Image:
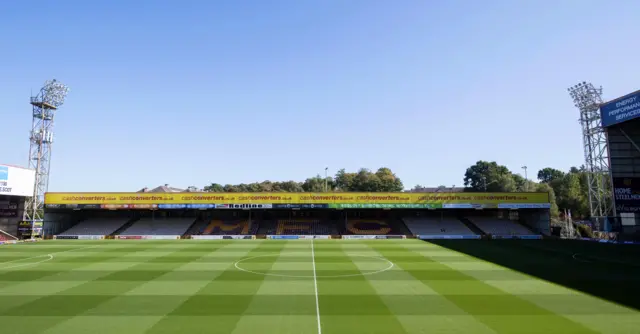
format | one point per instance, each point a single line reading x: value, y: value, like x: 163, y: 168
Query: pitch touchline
x: 315, y: 286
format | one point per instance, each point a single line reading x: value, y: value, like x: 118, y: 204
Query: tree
x: 544, y: 187
x: 489, y: 176
x: 214, y: 188
x: 317, y: 184
x: 567, y: 191
x: 570, y: 193
x: 388, y: 180
x: 229, y: 188
x: 547, y: 175
x: 364, y: 180
x: 288, y: 186
x: 344, y: 181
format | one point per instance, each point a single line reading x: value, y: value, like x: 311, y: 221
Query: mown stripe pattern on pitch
x: 193, y: 286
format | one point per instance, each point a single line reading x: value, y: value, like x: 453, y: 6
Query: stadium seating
x: 267, y: 227
x: 374, y: 227
x: 5, y: 237
x: 197, y: 227
x: 497, y: 226
x: 96, y: 226
x: 164, y: 226
x: 229, y: 227
x: 436, y: 225
x: 304, y: 227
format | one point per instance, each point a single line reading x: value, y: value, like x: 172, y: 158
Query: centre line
x: 315, y: 286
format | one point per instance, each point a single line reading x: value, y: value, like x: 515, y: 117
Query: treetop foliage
x: 568, y: 190
x: 383, y: 180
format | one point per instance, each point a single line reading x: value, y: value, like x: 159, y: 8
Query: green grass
x: 191, y: 286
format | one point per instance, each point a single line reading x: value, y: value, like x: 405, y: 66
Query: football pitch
x: 298, y: 286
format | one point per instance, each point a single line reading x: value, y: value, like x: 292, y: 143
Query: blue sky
x: 193, y: 92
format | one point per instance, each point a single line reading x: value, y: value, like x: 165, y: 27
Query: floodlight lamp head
x: 54, y: 92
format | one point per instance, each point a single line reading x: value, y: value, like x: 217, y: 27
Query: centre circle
x: 388, y: 266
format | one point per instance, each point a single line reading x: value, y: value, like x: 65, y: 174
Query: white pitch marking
x: 50, y: 257
x: 578, y: 258
x: 391, y: 265
x: 315, y: 286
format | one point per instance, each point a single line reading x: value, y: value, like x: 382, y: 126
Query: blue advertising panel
x: 525, y: 206
x: 621, y: 109
x: 626, y: 192
x: 172, y: 206
x: 300, y: 206
x: 201, y: 206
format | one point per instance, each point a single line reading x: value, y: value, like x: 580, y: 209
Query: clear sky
x: 193, y: 92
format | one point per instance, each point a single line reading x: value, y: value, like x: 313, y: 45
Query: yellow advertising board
x: 295, y: 198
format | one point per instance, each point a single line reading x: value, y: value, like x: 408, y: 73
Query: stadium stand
x: 164, y: 226
x: 267, y: 227
x: 197, y: 227
x: 229, y: 227
x: 4, y: 236
x: 497, y: 226
x: 440, y: 225
x: 305, y: 227
x: 375, y: 227
x: 96, y: 226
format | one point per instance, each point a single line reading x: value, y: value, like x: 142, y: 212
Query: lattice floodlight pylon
x: 44, y: 106
x: 588, y: 99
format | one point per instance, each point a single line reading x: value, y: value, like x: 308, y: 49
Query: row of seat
x: 96, y: 226
x: 442, y: 225
x: 233, y: 227
x: 167, y: 226
x: 499, y: 226
x: 6, y: 237
x: 305, y: 226
x: 437, y: 226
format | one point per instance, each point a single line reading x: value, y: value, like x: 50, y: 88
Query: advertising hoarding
x: 16, y: 181
x: 322, y: 200
x: 621, y: 109
x: 626, y: 192
x: 9, y: 208
x: 91, y: 237
x: 206, y: 237
x: 30, y: 229
x: 358, y: 237
x: 442, y: 236
x: 238, y: 237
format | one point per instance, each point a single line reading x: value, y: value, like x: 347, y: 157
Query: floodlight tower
x: 588, y: 99
x: 44, y: 105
